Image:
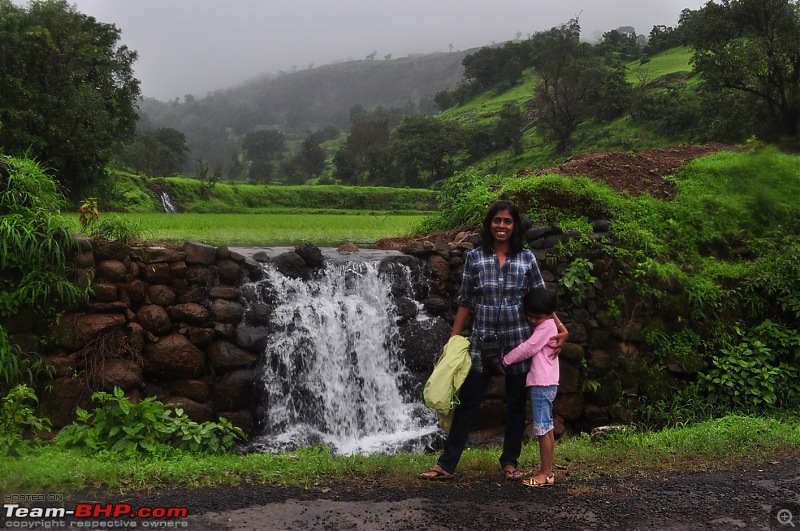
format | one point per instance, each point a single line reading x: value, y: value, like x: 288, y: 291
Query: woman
x: 496, y: 277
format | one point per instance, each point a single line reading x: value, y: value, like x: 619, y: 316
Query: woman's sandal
x: 436, y: 473
x: 512, y: 473
x: 532, y: 482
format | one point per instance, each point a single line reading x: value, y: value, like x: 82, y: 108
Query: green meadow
x: 280, y: 228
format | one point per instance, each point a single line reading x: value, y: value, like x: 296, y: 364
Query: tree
x: 508, y: 129
x: 311, y: 157
x: 262, y: 148
x: 157, y: 153
x: 622, y: 42
x: 567, y: 71
x: 424, y: 147
x: 68, y: 91
x: 364, y: 157
x: 494, y: 67
x: 751, y: 46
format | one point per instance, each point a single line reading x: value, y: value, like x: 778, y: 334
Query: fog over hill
x: 202, y: 46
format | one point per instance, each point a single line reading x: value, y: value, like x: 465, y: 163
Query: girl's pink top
x: 540, y: 347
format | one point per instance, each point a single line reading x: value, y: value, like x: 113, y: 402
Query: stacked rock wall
x: 160, y: 322
x: 175, y: 325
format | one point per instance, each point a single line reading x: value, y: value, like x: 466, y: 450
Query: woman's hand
x: 561, y: 337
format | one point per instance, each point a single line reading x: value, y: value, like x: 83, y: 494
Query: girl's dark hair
x: 517, y: 235
x: 540, y: 301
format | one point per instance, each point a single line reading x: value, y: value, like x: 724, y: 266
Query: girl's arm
x: 542, y: 335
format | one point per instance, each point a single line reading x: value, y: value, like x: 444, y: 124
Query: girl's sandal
x: 533, y: 482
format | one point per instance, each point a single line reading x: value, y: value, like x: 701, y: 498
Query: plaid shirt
x: 495, y: 296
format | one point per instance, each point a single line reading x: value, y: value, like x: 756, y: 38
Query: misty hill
x: 305, y: 100
x: 326, y: 91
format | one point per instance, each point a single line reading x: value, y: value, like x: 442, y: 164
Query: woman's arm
x: 460, y: 321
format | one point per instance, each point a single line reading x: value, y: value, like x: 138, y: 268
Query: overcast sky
x: 198, y: 46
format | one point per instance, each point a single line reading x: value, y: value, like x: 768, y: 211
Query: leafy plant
x: 208, y: 181
x: 17, y: 415
x: 577, y: 279
x: 749, y: 375
x: 149, y: 427
x: 113, y: 228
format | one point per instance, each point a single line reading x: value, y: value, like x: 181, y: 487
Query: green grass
x: 667, y: 62
x: 720, y: 443
x: 280, y: 228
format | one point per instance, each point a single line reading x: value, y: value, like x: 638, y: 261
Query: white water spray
x: 332, y: 371
x: 166, y: 202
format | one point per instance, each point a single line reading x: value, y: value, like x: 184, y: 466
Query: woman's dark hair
x: 517, y: 235
x: 540, y: 301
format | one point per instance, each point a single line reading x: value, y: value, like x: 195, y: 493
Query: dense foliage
x: 145, y: 427
x: 35, y: 242
x: 68, y: 91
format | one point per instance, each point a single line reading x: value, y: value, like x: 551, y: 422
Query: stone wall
x: 174, y: 324
x: 160, y: 322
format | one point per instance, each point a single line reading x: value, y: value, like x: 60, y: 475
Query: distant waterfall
x: 166, y: 202
x: 331, y: 368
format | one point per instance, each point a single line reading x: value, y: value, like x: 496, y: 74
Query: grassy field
x: 713, y: 444
x: 273, y: 229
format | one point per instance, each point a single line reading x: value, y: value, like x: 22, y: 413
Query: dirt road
x: 752, y: 497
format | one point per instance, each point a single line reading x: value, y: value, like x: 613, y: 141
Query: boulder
x: 190, y: 312
x: 311, y: 255
x: 225, y: 311
x: 236, y: 390
x: 125, y: 374
x: 74, y: 330
x: 224, y: 355
x: 154, y: 318
x: 172, y: 357
x: 199, y: 253
x: 290, y: 264
x: 161, y: 295
x: 111, y: 270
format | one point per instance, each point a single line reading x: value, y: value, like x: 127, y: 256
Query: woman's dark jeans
x: 471, y: 394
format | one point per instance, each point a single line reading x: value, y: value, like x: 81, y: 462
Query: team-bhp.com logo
x: 93, y: 515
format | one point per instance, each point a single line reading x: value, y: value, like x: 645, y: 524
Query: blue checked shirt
x: 495, y: 296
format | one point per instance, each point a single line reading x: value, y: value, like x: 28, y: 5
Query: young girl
x: 542, y: 379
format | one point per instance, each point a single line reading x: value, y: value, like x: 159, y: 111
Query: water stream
x: 331, y: 371
x: 167, y: 203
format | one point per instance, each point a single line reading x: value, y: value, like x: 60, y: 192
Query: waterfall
x: 331, y: 371
x: 166, y: 202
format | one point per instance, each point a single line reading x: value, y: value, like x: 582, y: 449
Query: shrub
x: 17, y: 415
x: 759, y: 371
x: 146, y: 427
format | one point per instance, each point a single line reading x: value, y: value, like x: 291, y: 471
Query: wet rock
x: 224, y: 355
x: 174, y: 356
x: 190, y: 312
x: 292, y: 265
x: 199, y: 253
x: 311, y: 255
x: 154, y: 318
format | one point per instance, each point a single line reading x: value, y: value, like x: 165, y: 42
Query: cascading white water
x: 166, y: 202
x: 331, y: 369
